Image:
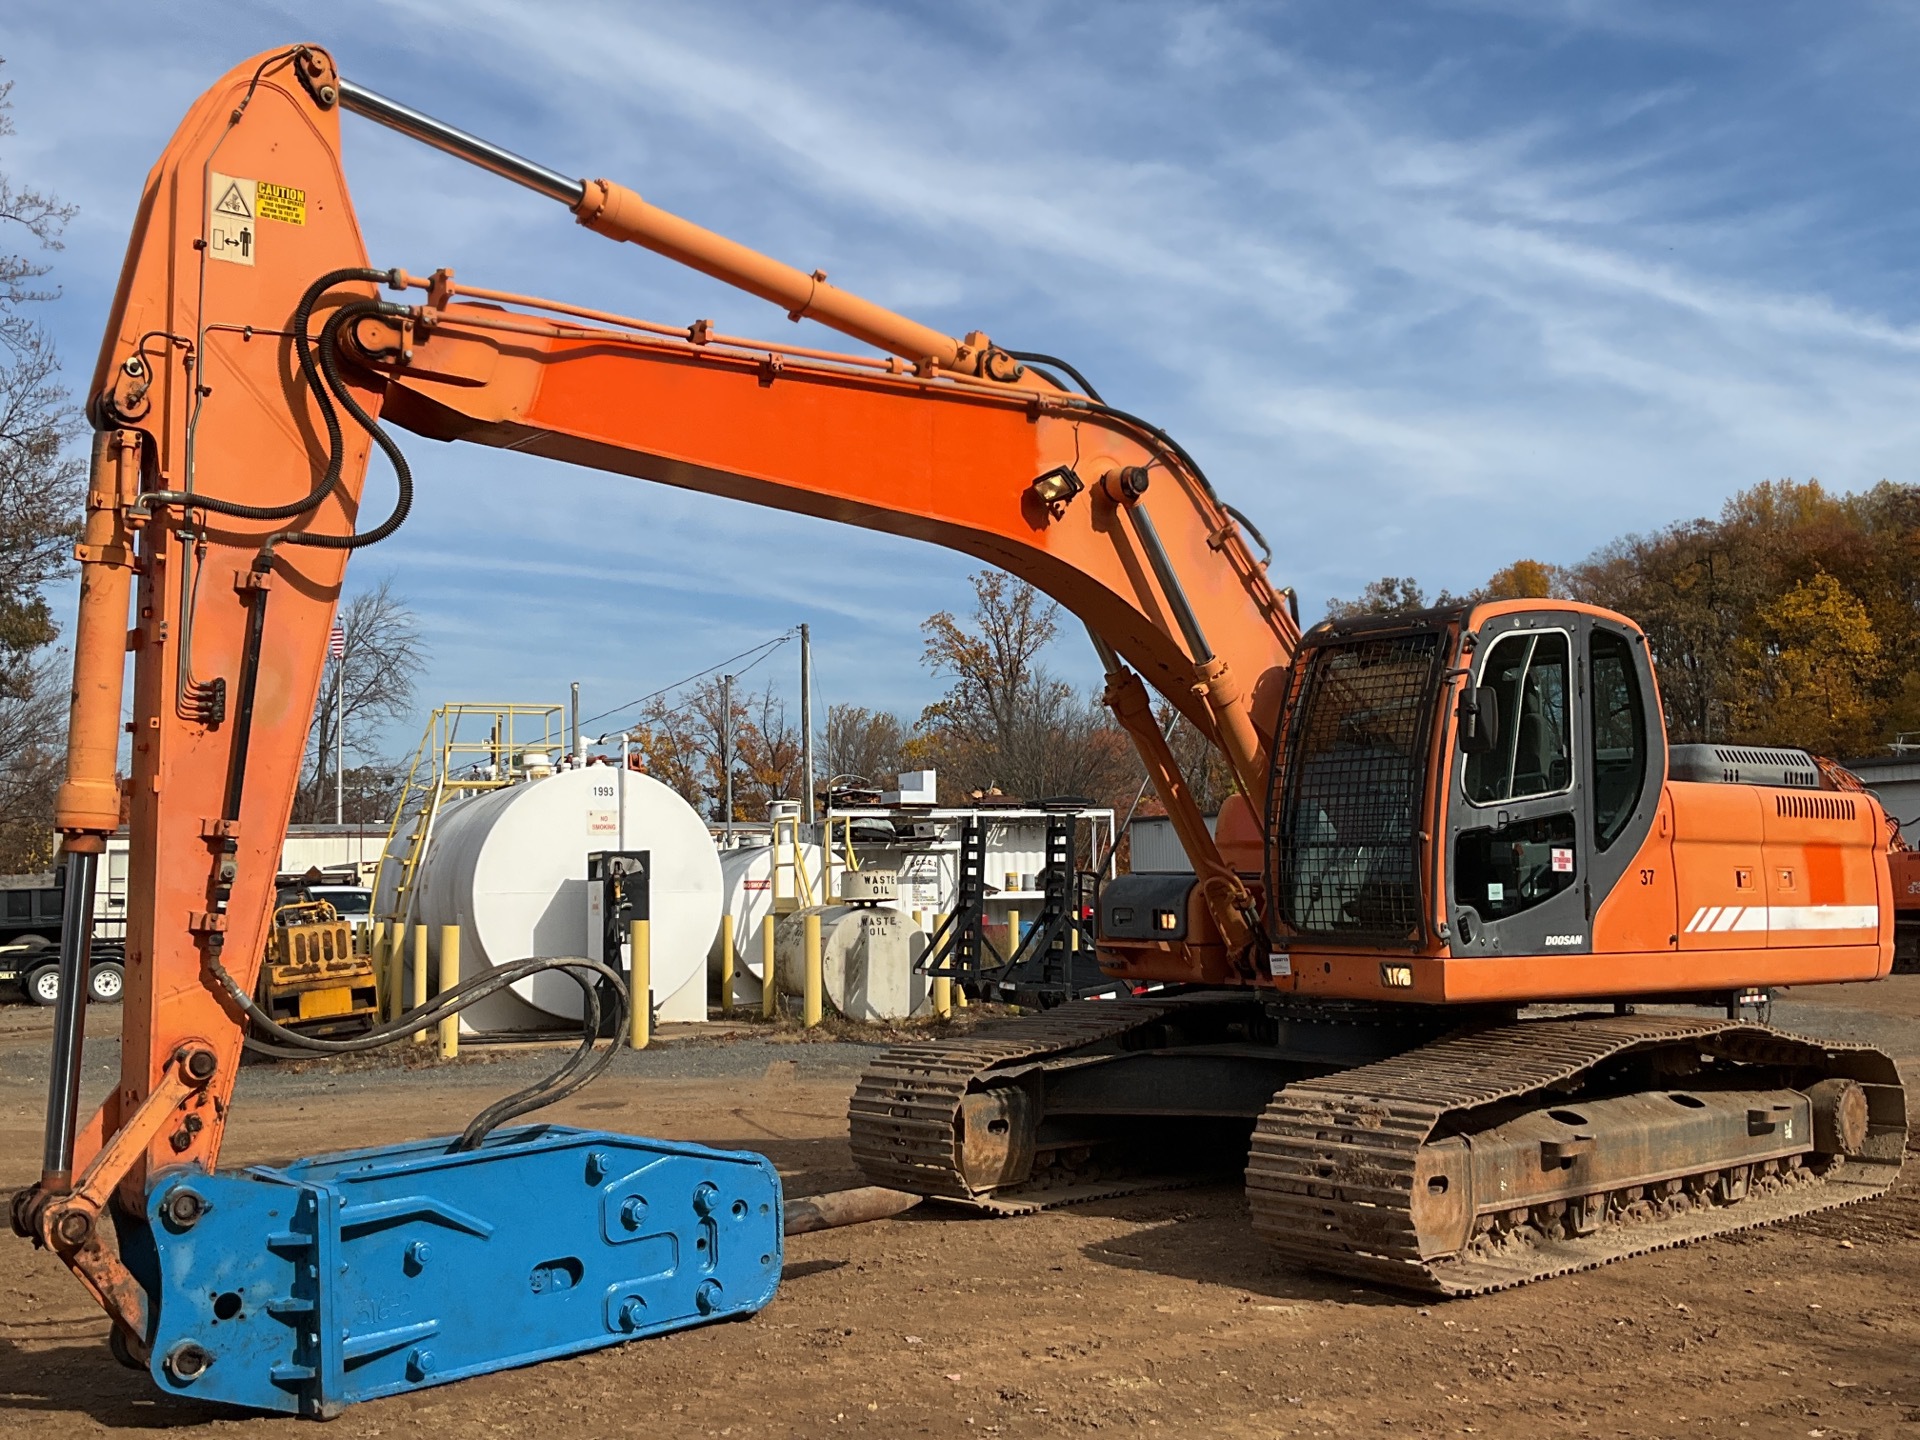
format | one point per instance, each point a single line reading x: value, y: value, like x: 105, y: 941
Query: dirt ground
x: 1152, y: 1314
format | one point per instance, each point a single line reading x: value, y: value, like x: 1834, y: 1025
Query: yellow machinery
x: 315, y: 980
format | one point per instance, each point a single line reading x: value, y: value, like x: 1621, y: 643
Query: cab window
x: 1503, y: 872
x: 1531, y: 755
x: 1619, y: 735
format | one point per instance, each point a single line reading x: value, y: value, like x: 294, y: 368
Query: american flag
x: 337, y: 643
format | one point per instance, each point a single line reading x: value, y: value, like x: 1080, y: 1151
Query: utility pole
x: 806, y: 723
x: 578, y: 759
x: 726, y: 752
x: 337, y: 652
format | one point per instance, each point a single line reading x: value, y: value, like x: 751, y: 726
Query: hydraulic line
x: 402, y: 472
x: 336, y: 441
x: 1035, y: 357
x: 566, y: 1080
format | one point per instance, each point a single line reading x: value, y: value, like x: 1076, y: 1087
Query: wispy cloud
x: 1426, y: 287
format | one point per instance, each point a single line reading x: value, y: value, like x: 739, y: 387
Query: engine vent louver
x: 1778, y: 767
x: 1814, y: 807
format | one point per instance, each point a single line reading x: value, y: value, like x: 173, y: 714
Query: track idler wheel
x: 997, y: 1132
x: 1839, y: 1117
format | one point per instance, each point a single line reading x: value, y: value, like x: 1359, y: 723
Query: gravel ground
x: 1152, y: 1314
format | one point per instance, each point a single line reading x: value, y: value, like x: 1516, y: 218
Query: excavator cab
x: 1479, y: 805
x: 1525, y: 737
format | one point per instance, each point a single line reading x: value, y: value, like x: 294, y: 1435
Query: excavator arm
x: 253, y: 363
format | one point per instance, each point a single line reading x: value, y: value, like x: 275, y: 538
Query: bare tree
x: 372, y: 684
x: 32, y: 721
x: 1005, y: 720
x: 682, y: 739
x: 767, y: 748
x: 862, y: 743
x: 40, y: 483
x: 1209, y: 777
x: 40, y: 490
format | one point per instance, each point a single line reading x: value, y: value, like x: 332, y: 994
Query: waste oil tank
x: 867, y: 951
x: 509, y: 867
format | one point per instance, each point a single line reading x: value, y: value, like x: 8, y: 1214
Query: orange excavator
x: 1444, y: 820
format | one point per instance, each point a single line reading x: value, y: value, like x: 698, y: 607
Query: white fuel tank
x: 748, y: 887
x: 509, y: 867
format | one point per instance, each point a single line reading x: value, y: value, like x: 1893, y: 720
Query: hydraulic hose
x: 335, y: 382
x: 573, y: 1074
x: 1035, y: 357
x: 336, y: 442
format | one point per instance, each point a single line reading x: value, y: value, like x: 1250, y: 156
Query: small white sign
x: 1563, y: 860
x: 232, y: 218
x: 1281, y: 965
x: 603, y: 822
x: 1496, y: 892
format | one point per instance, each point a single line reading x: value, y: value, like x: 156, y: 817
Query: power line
x: 768, y: 646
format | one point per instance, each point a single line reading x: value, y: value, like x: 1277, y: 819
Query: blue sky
x: 1426, y: 288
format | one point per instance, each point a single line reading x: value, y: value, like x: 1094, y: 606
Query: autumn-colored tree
x: 1808, y: 671
x: 689, y: 740
x: 1522, y: 580
x: 1719, y: 600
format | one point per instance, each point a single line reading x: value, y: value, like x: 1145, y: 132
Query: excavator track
x: 907, y: 1120
x: 1338, y: 1163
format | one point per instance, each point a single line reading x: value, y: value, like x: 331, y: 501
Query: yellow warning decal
x: 282, y: 202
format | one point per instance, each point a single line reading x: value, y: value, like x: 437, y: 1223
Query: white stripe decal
x: 1749, y: 919
x: 1824, y: 917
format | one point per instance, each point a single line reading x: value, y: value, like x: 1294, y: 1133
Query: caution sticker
x: 281, y: 202
x: 233, y: 208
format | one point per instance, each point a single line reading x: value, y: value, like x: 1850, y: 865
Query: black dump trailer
x: 30, y: 912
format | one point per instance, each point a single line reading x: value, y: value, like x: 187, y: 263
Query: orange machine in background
x: 1444, y: 818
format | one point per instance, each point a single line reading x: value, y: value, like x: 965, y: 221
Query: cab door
x: 1561, y: 815
x: 1516, y: 850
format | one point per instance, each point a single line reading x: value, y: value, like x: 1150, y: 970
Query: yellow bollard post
x: 942, y: 984
x: 810, y: 1000
x: 419, y: 976
x: 769, y: 986
x: 377, y: 957
x: 449, y: 977
x: 958, y: 992
x: 641, y: 982
x: 1013, y: 932
x: 396, y: 969
x: 726, y: 963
